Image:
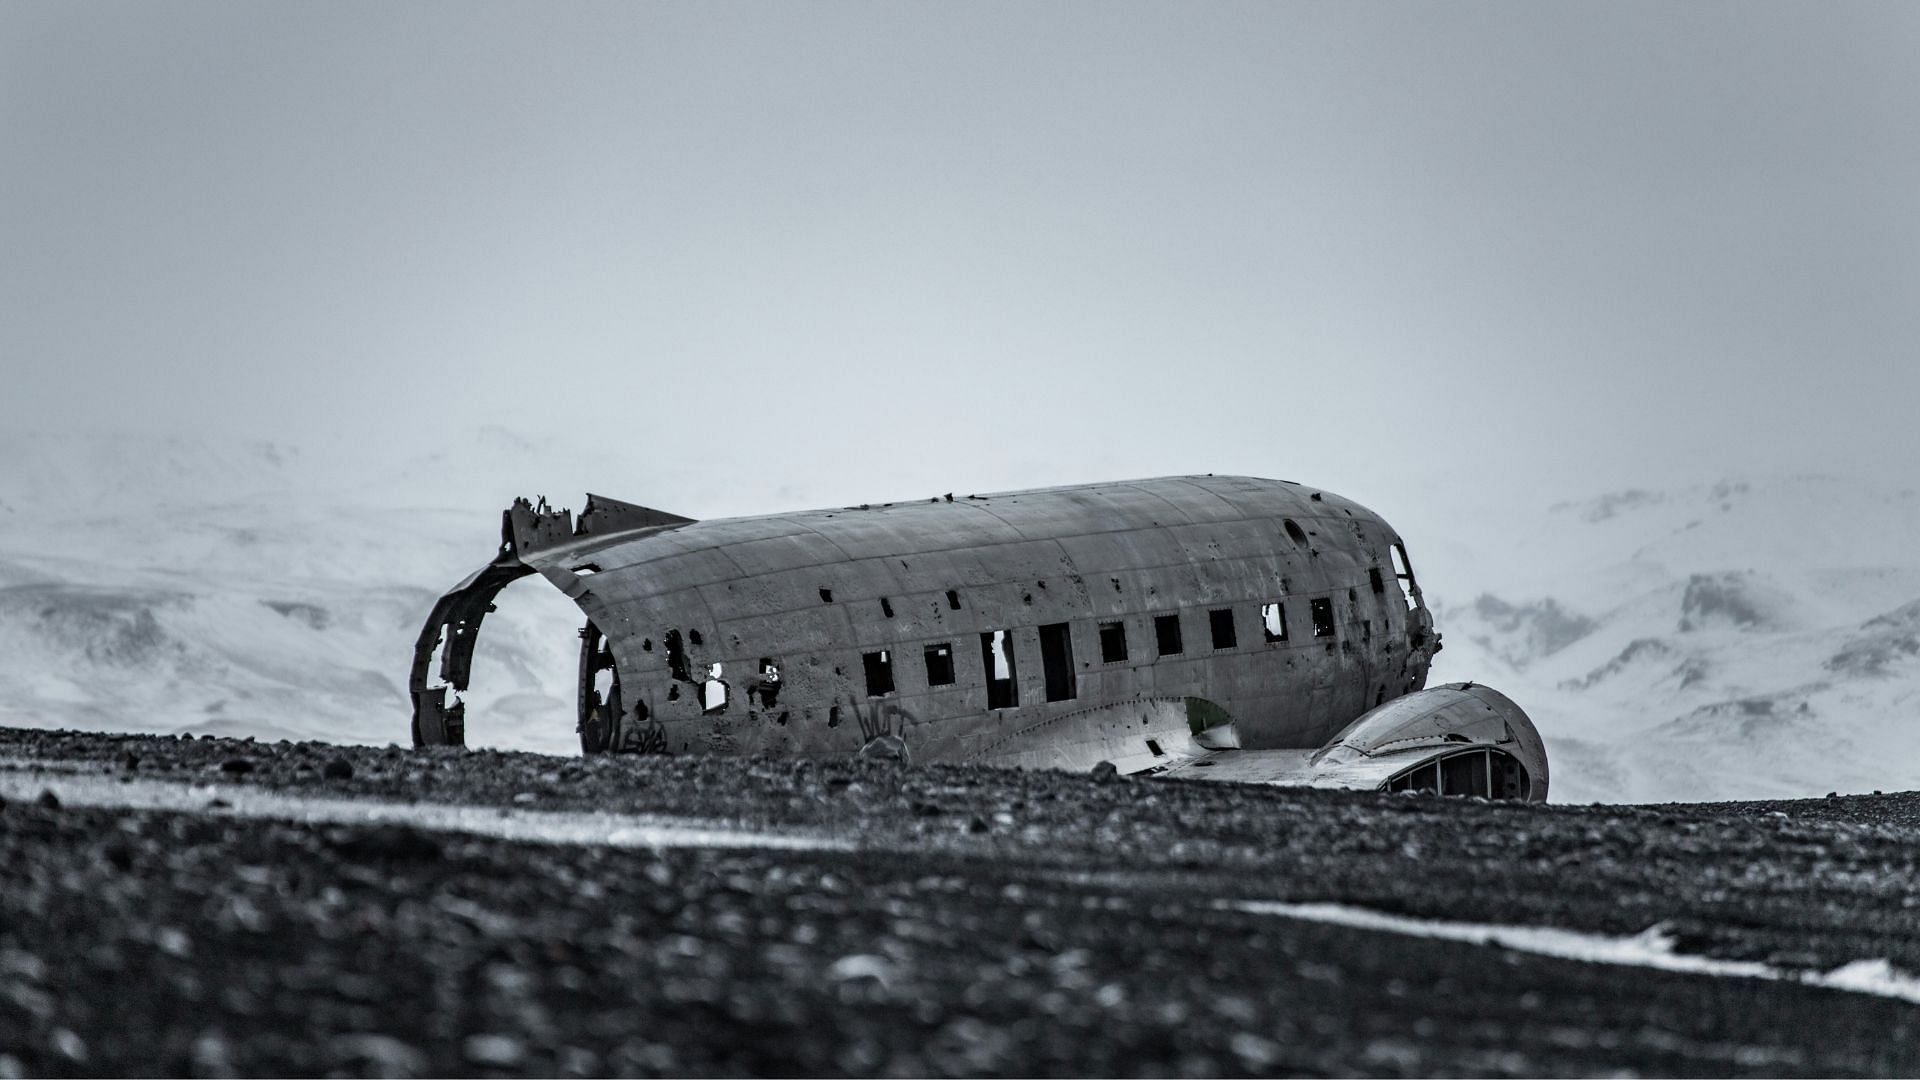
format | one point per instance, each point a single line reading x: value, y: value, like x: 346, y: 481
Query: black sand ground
x: 988, y: 922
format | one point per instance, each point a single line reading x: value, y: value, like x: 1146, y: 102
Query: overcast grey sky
x: 851, y: 251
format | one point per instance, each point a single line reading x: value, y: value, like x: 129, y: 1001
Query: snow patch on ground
x: 528, y: 826
x: 1651, y: 948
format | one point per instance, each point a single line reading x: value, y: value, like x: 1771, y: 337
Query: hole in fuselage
x: 523, y: 692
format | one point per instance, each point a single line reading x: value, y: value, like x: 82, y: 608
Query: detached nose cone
x: 1456, y: 739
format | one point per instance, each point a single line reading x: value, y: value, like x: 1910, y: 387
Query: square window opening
x: 996, y: 653
x: 1056, y: 659
x: 1166, y: 634
x: 939, y: 664
x: 1220, y: 621
x: 1273, y: 622
x: 1113, y: 643
x: 879, y: 667
x: 1322, y: 611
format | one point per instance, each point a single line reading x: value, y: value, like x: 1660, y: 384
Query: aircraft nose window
x: 1403, y: 571
x: 1490, y: 774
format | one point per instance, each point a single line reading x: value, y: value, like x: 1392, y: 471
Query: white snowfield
x: 173, y: 585
x: 1753, y: 639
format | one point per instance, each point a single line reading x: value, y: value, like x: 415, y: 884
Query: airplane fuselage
x: 967, y: 627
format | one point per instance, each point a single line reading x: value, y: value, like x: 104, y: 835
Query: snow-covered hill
x: 175, y: 585
x: 1748, y: 639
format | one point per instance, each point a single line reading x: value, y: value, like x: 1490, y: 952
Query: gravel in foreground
x: 987, y: 922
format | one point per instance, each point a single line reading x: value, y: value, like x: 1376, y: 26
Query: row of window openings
x: 1056, y: 645
x: 1056, y: 651
x: 1402, y: 574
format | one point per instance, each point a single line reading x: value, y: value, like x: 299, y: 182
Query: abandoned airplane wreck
x: 1217, y: 627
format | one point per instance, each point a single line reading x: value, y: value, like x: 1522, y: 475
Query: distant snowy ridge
x: 1752, y: 638
x: 171, y: 585
x: 1748, y: 639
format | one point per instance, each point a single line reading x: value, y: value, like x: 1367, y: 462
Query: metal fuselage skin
x: 816, y: 633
